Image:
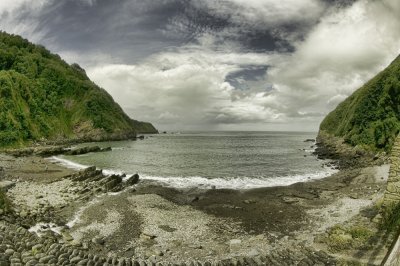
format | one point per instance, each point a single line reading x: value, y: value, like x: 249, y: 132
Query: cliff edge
x: 369, y: 118
x: 42, y: 98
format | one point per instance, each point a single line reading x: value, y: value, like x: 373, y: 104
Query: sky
x: 218, y: 64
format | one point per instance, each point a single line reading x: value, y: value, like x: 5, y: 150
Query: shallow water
x: 237, y: 160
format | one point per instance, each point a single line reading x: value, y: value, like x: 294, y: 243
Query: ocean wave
x: 77, y: 166
x: 236, y: 182
x: 208, y: 183
x: 67, y: 163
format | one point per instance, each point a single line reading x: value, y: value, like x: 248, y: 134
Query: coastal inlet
x: 232, y: 160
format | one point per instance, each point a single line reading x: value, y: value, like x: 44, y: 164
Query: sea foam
x: 67, y: 163
x: 238, y: 183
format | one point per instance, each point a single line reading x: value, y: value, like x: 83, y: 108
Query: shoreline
x: 254, y: 224
x: 328, y: 168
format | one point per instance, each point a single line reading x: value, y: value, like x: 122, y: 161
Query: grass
x: 370, y: 117
x: 44, y: 98
x: 391, y: 218
x: 342, y: 238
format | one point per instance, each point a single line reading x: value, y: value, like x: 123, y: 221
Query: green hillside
x: 370, y: 116
x: 43, y: 98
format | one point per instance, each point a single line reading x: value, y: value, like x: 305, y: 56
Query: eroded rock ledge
x: 344, y: 155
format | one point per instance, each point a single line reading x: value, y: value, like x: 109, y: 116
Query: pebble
x: 75, y: 259
x: 253, y: 253
x: 46, y: 259
x: 21, y: 247
x: 83, y: 262
x: 9, y: 252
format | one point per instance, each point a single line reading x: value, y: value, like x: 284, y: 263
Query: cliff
x: 369, y: 118
x: 42, y: 98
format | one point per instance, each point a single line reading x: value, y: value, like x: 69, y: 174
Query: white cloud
x: 20, y: 17
x: 346, y: 49
x: 12, y: 5
x: 266, y: 12
x: 187, y: 85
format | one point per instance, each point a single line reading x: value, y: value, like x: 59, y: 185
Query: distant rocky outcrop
x: 47, y: 151
x: 45, y: 100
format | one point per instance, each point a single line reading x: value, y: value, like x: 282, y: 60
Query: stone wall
x: 392, y: 193
x: 392, y: 197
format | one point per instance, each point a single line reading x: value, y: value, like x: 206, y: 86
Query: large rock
x: 134, y: 179
x: 112, y: 182
x: 86, y: 174
x: 83, y: 150
x: 50, y: 151
x: 6, y: 185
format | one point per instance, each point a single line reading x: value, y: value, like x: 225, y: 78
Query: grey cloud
x: 220, y: 64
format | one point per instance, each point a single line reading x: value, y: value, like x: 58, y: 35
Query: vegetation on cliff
x: 144, y: 127
x: 370, y: 117
x: 44, y: 98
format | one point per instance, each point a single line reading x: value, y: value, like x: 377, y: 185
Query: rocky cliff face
x: 370, y: 118
x: 42, y: 98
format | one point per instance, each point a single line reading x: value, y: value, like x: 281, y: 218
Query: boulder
x: 86, y: 174
x: 112, y: 181
x: 134, y: 179
x: 6, y: 185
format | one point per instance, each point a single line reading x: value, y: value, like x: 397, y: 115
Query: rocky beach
x: 63, y: 216
x: 241, y: 177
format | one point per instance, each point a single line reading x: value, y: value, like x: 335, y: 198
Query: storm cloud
x: 218, y: 64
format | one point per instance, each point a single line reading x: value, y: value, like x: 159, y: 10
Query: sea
x: 204, y: 160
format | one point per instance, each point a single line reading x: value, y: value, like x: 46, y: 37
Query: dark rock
x: 134, y: 179
x: 98, y: 240
x: 84, y: 150
x: 112, y: 182
x: 51, y: 151
x: 195, y: 199
x: 21, y: 152
x: 86, y: 174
